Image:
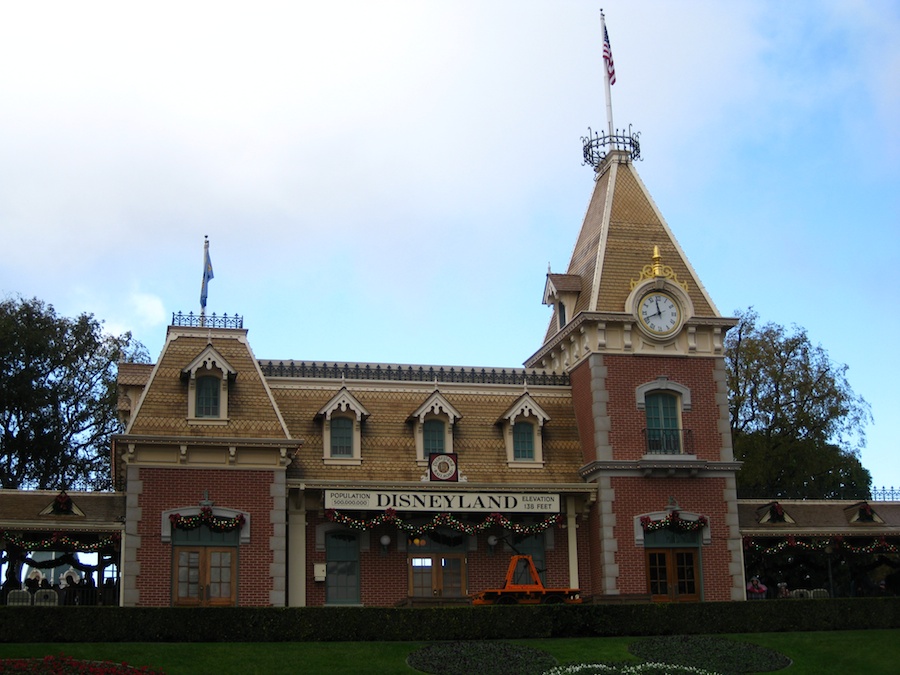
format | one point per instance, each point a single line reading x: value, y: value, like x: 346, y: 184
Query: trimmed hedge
x: 324, y: 624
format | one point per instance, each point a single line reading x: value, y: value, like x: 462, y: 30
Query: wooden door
x: 205, y: 576
x: 672, y: 575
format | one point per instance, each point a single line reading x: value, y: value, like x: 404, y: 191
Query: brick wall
x: 583, y: 401
x: 165, y: 489
x: 703, y: 495
x: 626, y: 373
x: 384, y: 577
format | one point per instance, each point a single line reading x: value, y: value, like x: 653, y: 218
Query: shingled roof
x: 620, y: 229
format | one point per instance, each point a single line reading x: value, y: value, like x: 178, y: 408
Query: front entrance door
x: 437, y: 576
x: 205, y: 576
x: 672, y: 575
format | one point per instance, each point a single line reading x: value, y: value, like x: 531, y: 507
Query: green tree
x: 796, y: 423
x: 57, y: 397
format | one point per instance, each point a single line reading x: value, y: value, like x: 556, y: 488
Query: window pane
x: 433, y: 436
x: 523, y: 440
x: 341, y: 437
x: 663, y: 434
x: 656, y: 563
x: 685, y: 569
x: 189, y: 574
x: 207, y: 396
x: 342, y: 568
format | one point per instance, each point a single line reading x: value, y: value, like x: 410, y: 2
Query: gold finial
x: 657, y: 263
x: 657, y: 270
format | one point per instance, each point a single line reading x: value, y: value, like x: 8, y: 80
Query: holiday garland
x: 673, y: 522
x: 442, y: 520
x: 879, y: 545
x: 59, y: 541
x: 206, y: 517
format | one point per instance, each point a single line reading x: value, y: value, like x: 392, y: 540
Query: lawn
x: 875, y: 651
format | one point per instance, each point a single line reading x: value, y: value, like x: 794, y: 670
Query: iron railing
x: 596, y: 146
x: 401, y: 373
x: 885, y: 494
x: 668, y: 441
x: 191, y: 320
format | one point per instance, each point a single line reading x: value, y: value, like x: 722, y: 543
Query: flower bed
x: 66, y: 665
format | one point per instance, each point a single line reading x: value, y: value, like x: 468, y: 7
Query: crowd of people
x: 72, y: 589
x: 757, y: 590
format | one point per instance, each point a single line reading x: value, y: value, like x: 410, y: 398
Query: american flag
x: 607, y: 56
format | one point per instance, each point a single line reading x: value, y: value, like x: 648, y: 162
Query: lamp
x: 492, y: 540
x: 385, y: 542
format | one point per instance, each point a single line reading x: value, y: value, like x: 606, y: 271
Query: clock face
x: 659, y: 313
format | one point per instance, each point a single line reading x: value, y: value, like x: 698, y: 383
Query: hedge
x: 270, y: 624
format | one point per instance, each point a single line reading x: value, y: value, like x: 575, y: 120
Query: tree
x: 796, y: 423
x: 57, y: 397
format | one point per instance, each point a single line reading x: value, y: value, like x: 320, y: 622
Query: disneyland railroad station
x: 607, y: 459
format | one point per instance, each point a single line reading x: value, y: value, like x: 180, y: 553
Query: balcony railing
x: 669, y: 441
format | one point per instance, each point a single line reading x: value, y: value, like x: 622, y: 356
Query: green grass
x: 875, y: 651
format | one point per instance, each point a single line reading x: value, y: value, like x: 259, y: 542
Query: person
x: 756, y: 590
x: 783, y: 591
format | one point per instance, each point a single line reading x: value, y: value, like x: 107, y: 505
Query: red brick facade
x: 165, y: 489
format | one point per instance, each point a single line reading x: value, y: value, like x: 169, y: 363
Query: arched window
x: 523, y: 441
x: 663, y: 432
x: 208, y: 396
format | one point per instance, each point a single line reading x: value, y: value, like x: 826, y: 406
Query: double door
x: 673, y: 575
x: 204, y: 576
x: 439, y: 575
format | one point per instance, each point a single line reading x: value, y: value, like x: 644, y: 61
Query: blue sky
x: 388, y: 182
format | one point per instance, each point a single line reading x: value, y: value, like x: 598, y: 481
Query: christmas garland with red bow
x: 673, y: 522
x: 206, y: 517
x: 60, y: 541
x: 878, y: 545
x: 442, y: 520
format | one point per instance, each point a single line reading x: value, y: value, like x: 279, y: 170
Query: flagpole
x: 207, y: 275
x: 607, y: 60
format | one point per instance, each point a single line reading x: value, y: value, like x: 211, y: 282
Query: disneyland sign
x: 470, y: 502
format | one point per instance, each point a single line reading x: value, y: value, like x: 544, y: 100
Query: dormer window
x: 342, y: 418
x: 523, y: 441
x: 341, y: 437
x: 209, y: 376
x: 208, y: 396
x: 433, y: 435
x: 561, y: 292
x: 522, y: 425
x: 433, y: 422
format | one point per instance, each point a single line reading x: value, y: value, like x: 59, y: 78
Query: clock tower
x: 642, y: 342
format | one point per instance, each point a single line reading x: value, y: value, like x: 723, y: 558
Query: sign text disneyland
x: 473, y: 502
